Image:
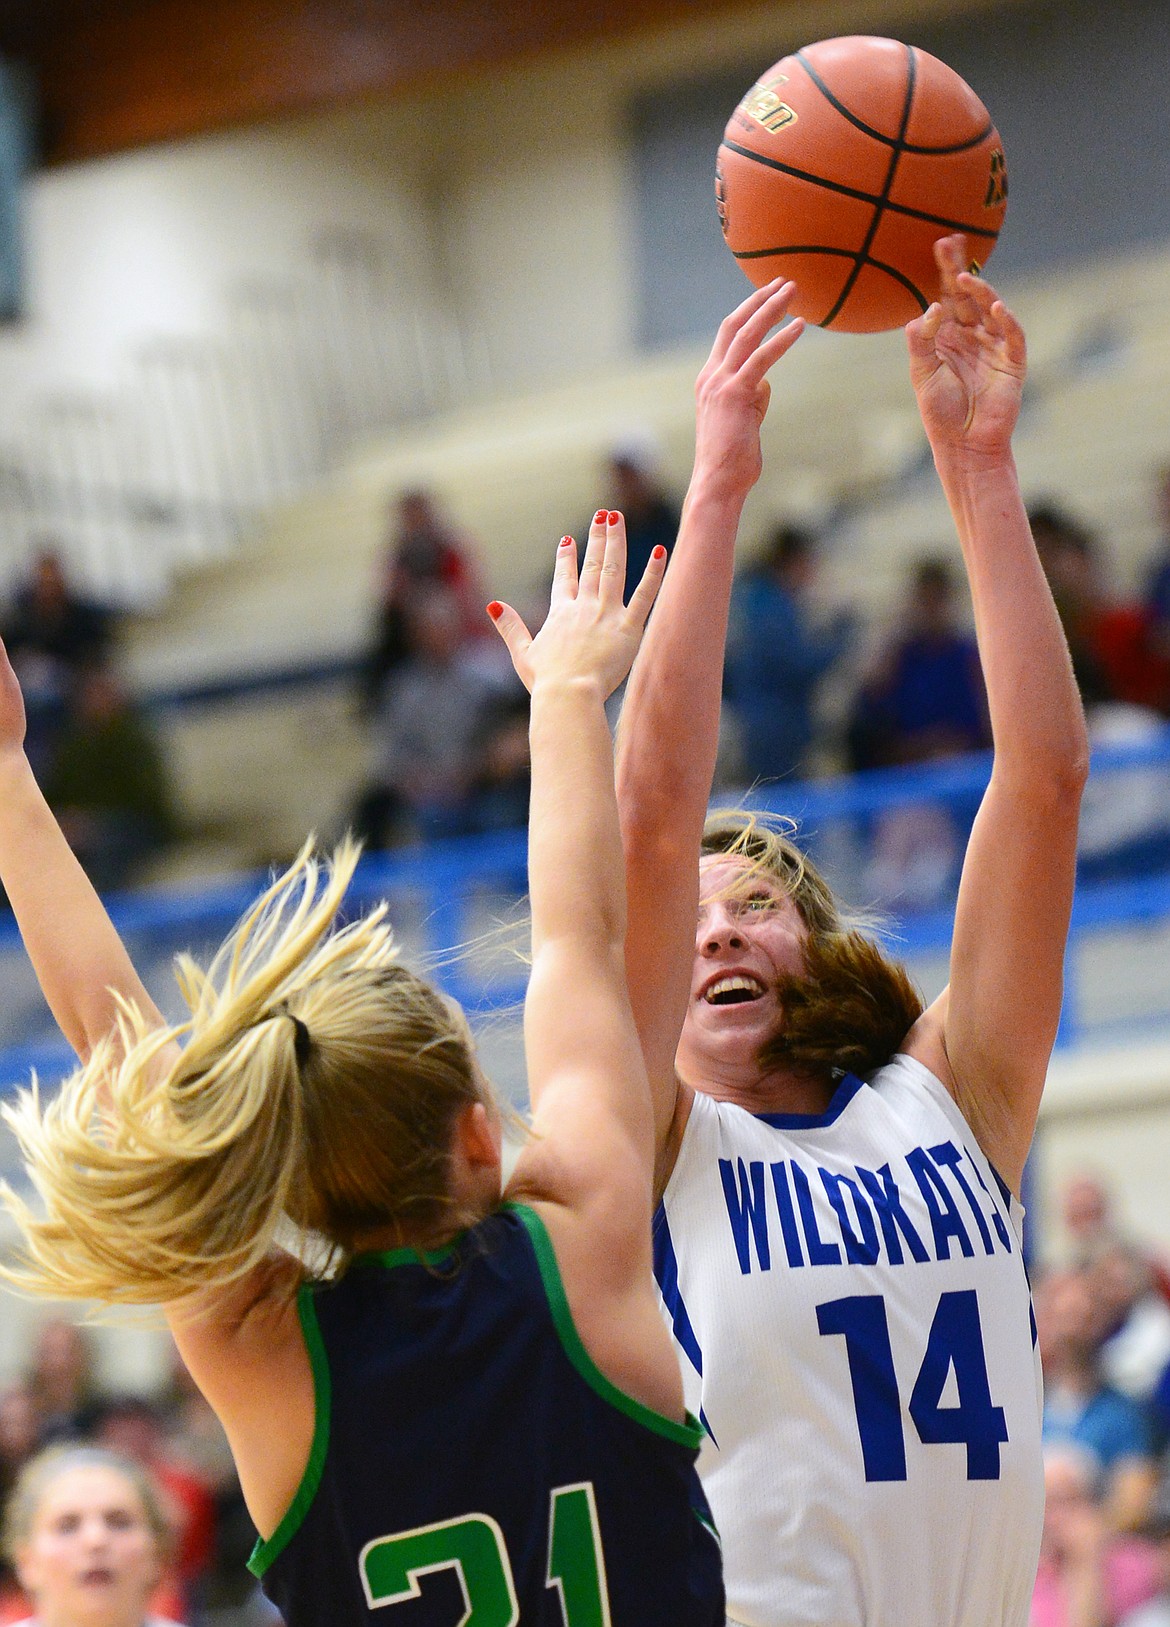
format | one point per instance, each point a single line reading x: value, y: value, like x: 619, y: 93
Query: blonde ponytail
x: 318, y: 1084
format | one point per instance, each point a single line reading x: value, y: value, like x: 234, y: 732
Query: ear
x: 477, y: 1138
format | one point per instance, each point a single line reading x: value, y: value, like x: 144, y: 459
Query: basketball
x: 841, y: 167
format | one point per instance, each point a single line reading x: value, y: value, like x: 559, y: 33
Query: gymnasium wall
x: 507, y: 195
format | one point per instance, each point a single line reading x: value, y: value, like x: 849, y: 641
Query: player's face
x: 749, y: 934
x: 91, y: 1554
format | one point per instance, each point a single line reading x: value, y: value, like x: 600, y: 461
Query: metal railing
x: 459, y: 905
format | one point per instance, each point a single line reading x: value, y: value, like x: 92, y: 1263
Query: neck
x: 424, y: 1238
x: 98, y: 1616
x: 780, y: 1090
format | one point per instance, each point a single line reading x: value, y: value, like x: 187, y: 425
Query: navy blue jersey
x: 471, y: 1466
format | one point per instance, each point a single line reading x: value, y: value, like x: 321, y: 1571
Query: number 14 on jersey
x: 955, y: 1340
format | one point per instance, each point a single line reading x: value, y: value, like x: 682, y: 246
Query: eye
x: 119, y: 1519
x: 758, y: 902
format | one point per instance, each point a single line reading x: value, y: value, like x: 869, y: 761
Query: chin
x: 721, y: 1048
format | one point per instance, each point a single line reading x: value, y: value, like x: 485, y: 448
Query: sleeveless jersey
x: 855, y: 1323
x: 471, y: 1464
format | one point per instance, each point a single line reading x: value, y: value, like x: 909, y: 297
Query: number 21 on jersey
x: 955, y: 1340
x: 473, y: 1547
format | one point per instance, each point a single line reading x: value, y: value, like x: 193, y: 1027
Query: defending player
x: 839, y: 1240
x: 480, y: 1415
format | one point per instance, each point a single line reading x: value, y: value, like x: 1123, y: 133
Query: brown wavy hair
x: 853, y: 1006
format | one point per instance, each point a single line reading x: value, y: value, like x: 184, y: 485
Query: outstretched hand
x: 732, y: 391
x: 12, y: 719
x: 967, y: 360
x: 588, y: 632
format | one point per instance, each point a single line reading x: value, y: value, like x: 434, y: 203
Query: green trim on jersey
x: 265, y: 1552
x: 688, y: 1434
x: 409, y: 1256
x: 709, y: 1527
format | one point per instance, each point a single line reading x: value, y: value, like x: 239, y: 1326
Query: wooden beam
x: 121, y: 76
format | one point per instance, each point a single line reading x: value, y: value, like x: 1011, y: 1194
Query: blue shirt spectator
x: 777, y: 657
x: 1106, y: 1423
x: 925, y: 698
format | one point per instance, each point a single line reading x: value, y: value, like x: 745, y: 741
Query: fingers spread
x: 760, y: 322
x: 510, y: 626
x: 644, y: 595
x: 612, y: 582
x: 770, y: 352
x: 564, y: 582
x: 731, y: 325
x: 595, y: 550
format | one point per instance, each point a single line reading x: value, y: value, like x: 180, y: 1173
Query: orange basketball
x: 840, y: 168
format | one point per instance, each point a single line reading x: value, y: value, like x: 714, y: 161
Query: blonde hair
x: 40, y: 1472
x: 852, y: 1006
x: 319, y: 1084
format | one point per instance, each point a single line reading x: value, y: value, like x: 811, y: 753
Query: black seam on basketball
x: 895, y: 154
x: 844, y: 254
x: 862, y: 197
x: 792, y: 248
x: 945, y: 152
x: 878, y: 135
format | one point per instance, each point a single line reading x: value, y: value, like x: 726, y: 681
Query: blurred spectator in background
x: 1093, y: 1233
x: 176, y: 1443
x: 502, y: 781
x: 1155, y: 1612
x: 19, y: 1431
x: 1157, y: 597
x: 1088, y: 1576
x: 423, y: 553
x: 88, y: 1536
x: 51, y: 632
x: 777, y: 656
x: 1113, y: 643
x: 134, y: 1427
x: 1081, y: 1407
x: 1135, y: 1351
x: 428, y: 738
x: 1088, y: 1218
x: 108, y: 784
x: 229, y: 1595
x: 20, y: 1434
x: 60, y: 1381
x: 924, y: 697
x: 636, y: 490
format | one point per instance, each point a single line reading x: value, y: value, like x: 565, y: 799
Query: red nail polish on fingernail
x: 658, y: 551
x: 614, y: 516
x: 495, y: 610
x: 599, y: 517
x: 566, y: 542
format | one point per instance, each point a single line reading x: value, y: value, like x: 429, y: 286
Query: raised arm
x: 586, y: 1078
x: 990, y: 1034
x: 80, y: 961
x: 669, y: 729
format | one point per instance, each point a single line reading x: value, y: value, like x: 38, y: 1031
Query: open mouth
x: 738, y: 990
x: 98, y: 1576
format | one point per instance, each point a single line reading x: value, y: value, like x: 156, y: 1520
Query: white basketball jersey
x: 856, y: 1331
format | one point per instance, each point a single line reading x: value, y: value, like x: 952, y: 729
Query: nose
x: 94, y: 1533
x: 719, y: 929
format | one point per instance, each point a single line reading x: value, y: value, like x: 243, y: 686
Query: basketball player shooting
x: 839, y: 1239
